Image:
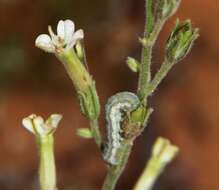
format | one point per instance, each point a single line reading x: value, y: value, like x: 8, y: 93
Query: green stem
x: 145, y: 73
x: 152, y: 30
x: 96, y: 132
x: 114, y: 172
x: 47, y: 170
x: 149, y: 17
x: 160, y: 75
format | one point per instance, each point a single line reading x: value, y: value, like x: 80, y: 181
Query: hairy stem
x: 152, y: 30
x: 149, y: 17
x: 145, y: 73
x: 114, y: 172
x: 160, y: 75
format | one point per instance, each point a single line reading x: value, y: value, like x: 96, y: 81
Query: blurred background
x: 31, y: 81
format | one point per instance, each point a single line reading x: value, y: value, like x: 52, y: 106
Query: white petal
x: 39, y: 125
x: 54, y: 120
x: 44, y: 42
x: 65, y: 30
x: 27, y: 123
x: 36, y: 124
x: 61, y: 29
x: 69, y: 30
x: 43, y: 38
x: 38, y: 121
x: 78, y: 35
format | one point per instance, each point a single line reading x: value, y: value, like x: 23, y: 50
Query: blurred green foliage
x: 13, y: 60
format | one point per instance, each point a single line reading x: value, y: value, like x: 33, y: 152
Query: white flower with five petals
x: 65, y: 39
x: 36, y: 124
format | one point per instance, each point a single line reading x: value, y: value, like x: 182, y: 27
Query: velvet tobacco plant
x: 126, y: 113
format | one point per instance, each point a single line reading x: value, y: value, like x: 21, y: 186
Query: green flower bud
x: 166, y: 8
x: 133, y: 64
x: 180, y: 41
x: 158, y: 11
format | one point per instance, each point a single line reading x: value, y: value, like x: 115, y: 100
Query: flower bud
x: 180, y: 41
x: 132, y: 64
x: 166, y: 8
x: 157, y: 13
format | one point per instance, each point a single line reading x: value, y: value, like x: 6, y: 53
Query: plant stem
x: 149, y: 17
x: 145, y: 74
x: 162, y: 72
x: 114, y: 172
x: 152, y: 30
x: 96, y: 132
x: 47, y: 171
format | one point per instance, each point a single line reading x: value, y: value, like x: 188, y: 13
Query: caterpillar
x: 117, y: 105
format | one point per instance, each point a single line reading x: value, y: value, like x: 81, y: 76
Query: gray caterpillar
x: 116, y: 106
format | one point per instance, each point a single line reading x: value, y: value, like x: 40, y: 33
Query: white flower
x: 36, y: 125
x: 65, y: 39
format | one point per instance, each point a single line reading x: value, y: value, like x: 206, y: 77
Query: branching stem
x: 152, y: 30
x: 160, y: 75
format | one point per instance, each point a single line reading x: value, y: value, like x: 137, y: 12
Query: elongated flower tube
x: 43, y: 130
x: 67, y: 47
x: 62, y: 45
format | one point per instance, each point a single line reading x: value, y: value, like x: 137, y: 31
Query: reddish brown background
x: 31, y: 81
